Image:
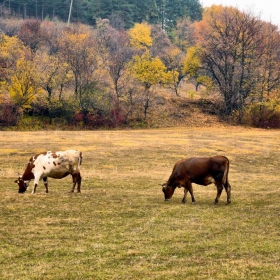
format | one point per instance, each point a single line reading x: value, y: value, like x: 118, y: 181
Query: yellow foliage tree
x: 24, y: 84
x: 53, y: 74
x: 150, y: 70
x: 192, y: 61
x: 192, y: 68
x: 11, y: 49
x: 140, y: 36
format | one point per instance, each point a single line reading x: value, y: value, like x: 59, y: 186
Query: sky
x: 268, y: 10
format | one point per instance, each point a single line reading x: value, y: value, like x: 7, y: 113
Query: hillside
x: 191, y: 110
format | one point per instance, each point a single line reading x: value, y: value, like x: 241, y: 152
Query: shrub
x: 264, y: 114
x: 10, y: 114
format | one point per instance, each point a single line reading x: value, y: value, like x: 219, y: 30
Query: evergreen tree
x: 122, y: 13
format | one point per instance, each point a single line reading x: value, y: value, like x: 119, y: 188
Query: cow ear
x: 163, y: 185
x: 17, y: 181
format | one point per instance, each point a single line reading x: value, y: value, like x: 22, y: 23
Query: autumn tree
x: 234, y: 48
x: 172, y: 56
x: 79, y: 51
x: 24, y: 85
x: 30, y: 33
x: 11, y: 50
x: 193, y: 69
x: 149, y: 71
x: 183, y: 36
x: 270, y: 66
x: 114, y: 48
x: 51, y: 33
x: 53, y: 77
x: 140, y: 36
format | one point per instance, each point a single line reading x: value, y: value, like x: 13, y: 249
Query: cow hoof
x: 183, y: 201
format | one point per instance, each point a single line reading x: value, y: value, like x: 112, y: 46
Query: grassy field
x: 120, y: 227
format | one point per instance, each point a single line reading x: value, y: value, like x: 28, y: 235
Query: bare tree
x: 235, y: 51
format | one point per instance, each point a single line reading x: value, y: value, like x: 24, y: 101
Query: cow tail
x: 225, y: 177
x: 80, y: 159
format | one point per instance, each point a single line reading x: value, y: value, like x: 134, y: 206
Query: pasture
x: 120, y: 227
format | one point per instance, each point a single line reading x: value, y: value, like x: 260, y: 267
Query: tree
x: 115, y: 50
x: 78, y: 50
x: 183, y: 34
x: 53, y: 78
x: 234, y: 47
x: 30, y: 34
x: 269, y: 70
x: 24, y: 86
x: 193, y: 68
x: 149, y: 71
x: 173, y: 11
x: 11, y: 50
x: 140, y: 36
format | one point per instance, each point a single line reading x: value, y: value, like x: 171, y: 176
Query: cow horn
x: 164, y: 185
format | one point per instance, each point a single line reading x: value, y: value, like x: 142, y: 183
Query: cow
x: 202, y: 171
x: 55, y: 165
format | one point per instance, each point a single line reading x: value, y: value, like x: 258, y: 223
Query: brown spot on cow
x: 54, y: 163
x: 44, y: 167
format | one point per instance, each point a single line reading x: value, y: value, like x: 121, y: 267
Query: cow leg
x: 191, y: 192
x: 219, y: 192
x: 185, y: 195
x: 76, y: 177
x: 188, y: 187
x: 74, y: 180
x: 228, y: 190
x: 79, y: 183
x: 34, y: 188
x: 46, y: 184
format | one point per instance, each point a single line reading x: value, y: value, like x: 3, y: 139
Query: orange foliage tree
x: 236, y: 50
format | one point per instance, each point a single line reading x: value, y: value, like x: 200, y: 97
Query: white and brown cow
x: 202, y: 171
x: 55, y: 165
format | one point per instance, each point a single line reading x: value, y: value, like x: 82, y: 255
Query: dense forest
x: 122, y: 13
x: 110, y: 73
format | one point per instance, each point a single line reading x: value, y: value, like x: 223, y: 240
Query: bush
x: 10, y: 114
x: 264, y: 114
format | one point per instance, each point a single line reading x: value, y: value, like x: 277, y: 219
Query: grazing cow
x: 199, y: 170
x: 54, y: 165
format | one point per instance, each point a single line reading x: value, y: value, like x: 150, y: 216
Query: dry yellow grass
x: 120, y: 227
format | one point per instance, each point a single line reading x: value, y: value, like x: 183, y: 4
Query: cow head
x: 22, y: 184
x: 167, y: 190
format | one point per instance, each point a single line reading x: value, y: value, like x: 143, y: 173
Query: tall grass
x: 120, y: 227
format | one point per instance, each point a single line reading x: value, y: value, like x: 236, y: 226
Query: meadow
x: 120, y: 227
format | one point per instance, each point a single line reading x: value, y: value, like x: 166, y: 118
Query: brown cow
x: 199, y: 170
x: 54, y: 165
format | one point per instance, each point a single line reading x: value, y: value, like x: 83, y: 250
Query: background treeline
x: 54, y: 73
x: 122, y: 13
